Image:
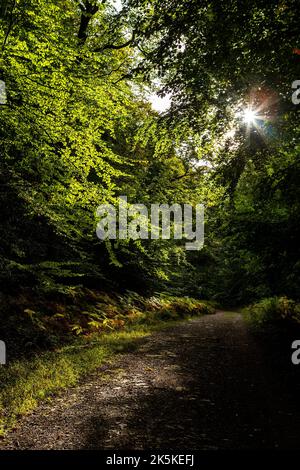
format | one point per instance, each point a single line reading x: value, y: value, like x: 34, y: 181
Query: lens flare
x: 249, y: 116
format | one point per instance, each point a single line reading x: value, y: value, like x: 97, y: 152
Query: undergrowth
x: 106, y: 326
x: 273, y: 311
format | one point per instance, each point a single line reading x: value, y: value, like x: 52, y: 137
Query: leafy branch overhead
x: 77, y: 130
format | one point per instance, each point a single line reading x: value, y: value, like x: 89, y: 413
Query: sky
x: 2, y: 92
x: 117, y: 4
x: 160, y: 104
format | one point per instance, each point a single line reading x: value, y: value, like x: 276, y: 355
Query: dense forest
x: 77, y: 130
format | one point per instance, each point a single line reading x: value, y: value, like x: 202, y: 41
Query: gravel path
x: 203, y: 384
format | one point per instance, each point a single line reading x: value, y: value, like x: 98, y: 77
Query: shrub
x: 274, y: 310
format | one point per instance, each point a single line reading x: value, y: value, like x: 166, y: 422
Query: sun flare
x: 249, y: 116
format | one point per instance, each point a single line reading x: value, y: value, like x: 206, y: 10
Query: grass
x: 28, y: 381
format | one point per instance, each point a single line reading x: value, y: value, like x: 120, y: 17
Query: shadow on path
x: 203, y: 384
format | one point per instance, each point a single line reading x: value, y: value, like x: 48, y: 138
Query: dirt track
x: 203, y: 384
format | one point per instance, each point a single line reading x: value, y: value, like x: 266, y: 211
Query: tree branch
x: 88, y: 11
x: 117, y: 46
x: 181, y: 176
x: 11, y: 22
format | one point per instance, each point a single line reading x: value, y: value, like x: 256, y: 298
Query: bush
x: 31, y: 324
x: 274, y: 310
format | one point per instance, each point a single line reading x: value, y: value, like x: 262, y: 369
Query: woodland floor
x: 202, y: 384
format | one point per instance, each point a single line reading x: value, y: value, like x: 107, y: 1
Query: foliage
x: 122, y: 321
x: 75, y: 135
x: 273, y: 310
x: 31, y: 325
x: 217, y: 58
x: 78, y: 131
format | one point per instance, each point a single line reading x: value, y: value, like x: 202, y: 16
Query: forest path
x: 202, y: 384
